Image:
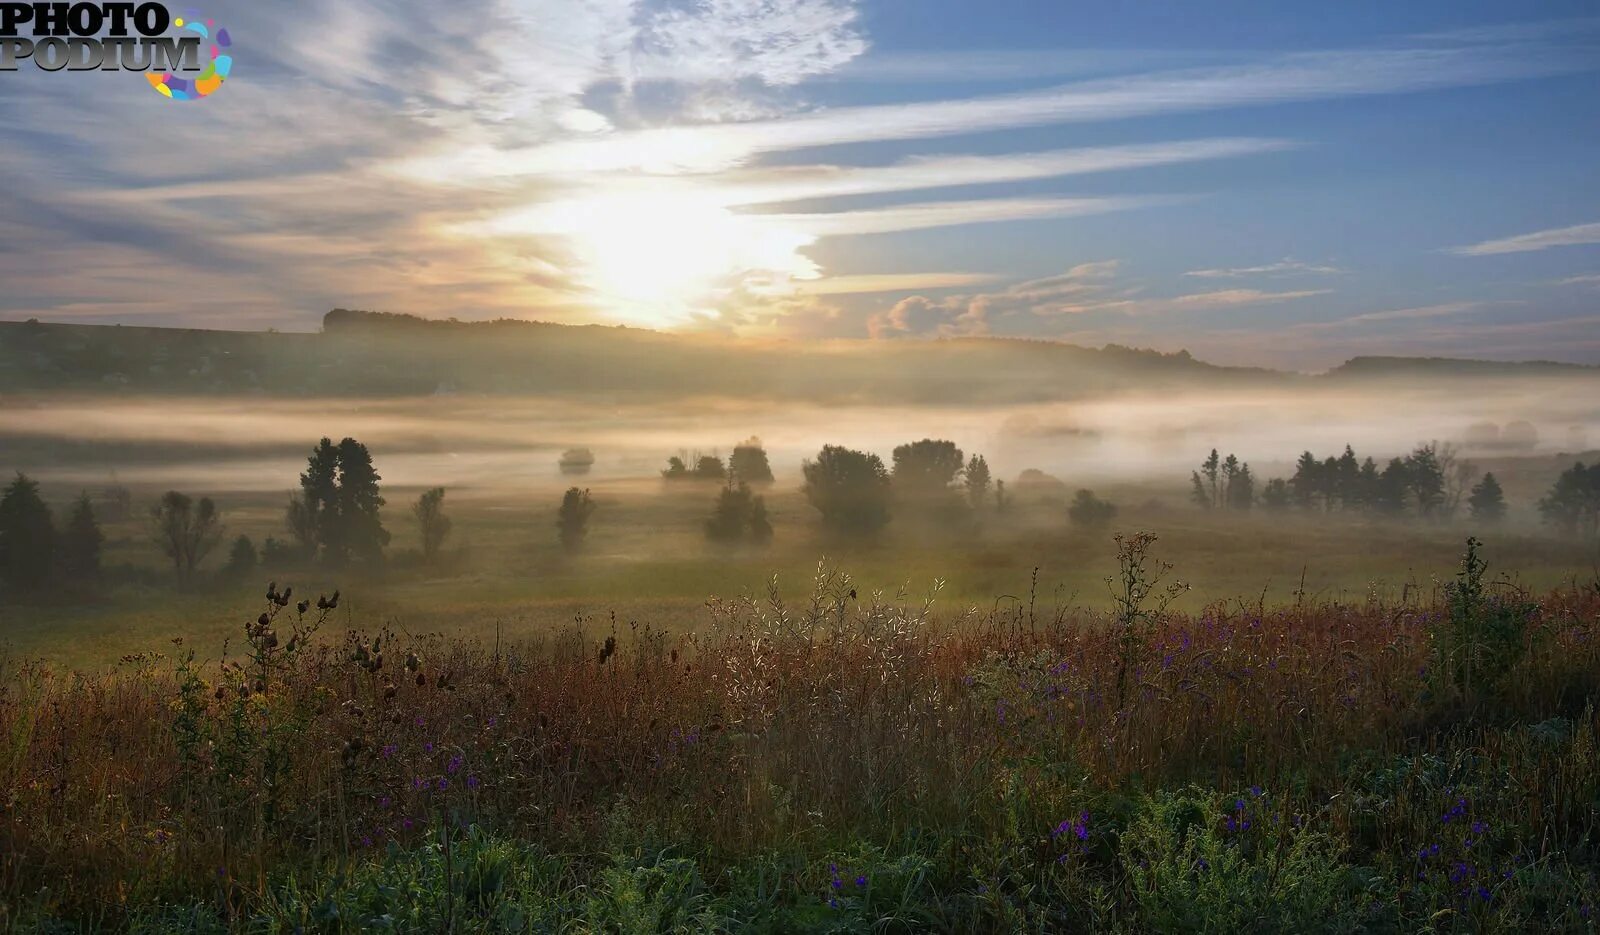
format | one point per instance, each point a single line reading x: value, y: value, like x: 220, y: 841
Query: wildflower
x: 390, y: 750
x: 454, y: 766
x: 472, y: 782
x: 443, y: 784
x: 838, y: 883
x: 427, y: 747
x: 861, y: 880
x: 385, y: 802
x: 833, y: 903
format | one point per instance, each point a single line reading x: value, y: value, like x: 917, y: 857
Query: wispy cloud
x: 1442, y: 310
x: 1576, y: 235
x: 890, y: 282
x: 1300, y: 77
x: 953, y: 213
x: 1285, y: 267
x: 1588, y: 279
x: 794, y: 183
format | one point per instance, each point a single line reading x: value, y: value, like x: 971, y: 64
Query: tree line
x: 1431, y: 482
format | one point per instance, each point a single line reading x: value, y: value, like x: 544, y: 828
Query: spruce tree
x: 572, y: 520
x: 1487, y: 502
x: 80, y: 543
x: 27, y: 536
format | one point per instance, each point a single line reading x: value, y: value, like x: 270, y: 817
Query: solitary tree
x: 1487, y: 502
x: 926, y: 467
x: 27, y: 536
x: 749, y: 462
x: 676, y: 469
x: 849, y: 488
x: 1090, y: 511
x: 976, y: 480
x: 81, y: 541
x: 572, y: 520
x: 429, y: 510
x: 241, y: 558
x: 738, y: 516
x: 186, y: 530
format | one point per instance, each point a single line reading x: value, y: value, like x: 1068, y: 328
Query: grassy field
x: 832, y: 764
x: 646, y: 560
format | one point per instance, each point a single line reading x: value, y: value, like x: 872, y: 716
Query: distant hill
x: 366, y: 354
x: 1367, y: 367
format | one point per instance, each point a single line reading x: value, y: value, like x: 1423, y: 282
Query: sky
x: 1261, y: 183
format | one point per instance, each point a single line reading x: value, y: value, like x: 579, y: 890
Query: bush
x: 1090, y: 511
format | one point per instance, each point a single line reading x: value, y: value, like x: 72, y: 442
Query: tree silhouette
x: 1427, y: 478
x: 1210, y: 469
x: 976, y: 480
x: 572, y: 519
x: 1573, y: 503
x: 709, y: 467
x: 1241, y: 488
x: 748, y: 463
x: 337, y: 509
x: 849, y: 488
x: 241, y: 559
x: 1275, y: 495
x: 27, y: 536
x: 676, y: 469
x: 926, y: 467
x: 429, y: 511
x: 362, y: 534
x: 1307, y: 482
x: 738, y: 516
x: 1393, y: 486
x: 185, y: 530
x: 1487, y: 503
x: 1090, y: 511
x: 81, y: 541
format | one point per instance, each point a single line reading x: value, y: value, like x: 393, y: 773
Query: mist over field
x: 670, y: 467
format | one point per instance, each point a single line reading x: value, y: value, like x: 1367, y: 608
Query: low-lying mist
x: 234, y: 443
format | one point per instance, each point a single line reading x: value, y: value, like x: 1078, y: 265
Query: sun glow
x: 663, y: 258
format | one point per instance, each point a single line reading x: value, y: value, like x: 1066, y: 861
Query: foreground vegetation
x: 854, y: 762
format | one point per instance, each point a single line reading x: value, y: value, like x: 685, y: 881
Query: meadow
x: 840, y: 762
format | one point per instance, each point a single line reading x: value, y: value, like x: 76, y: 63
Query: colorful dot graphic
x: 216, y: 69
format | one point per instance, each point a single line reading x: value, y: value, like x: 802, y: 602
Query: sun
x: 661, y: 259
